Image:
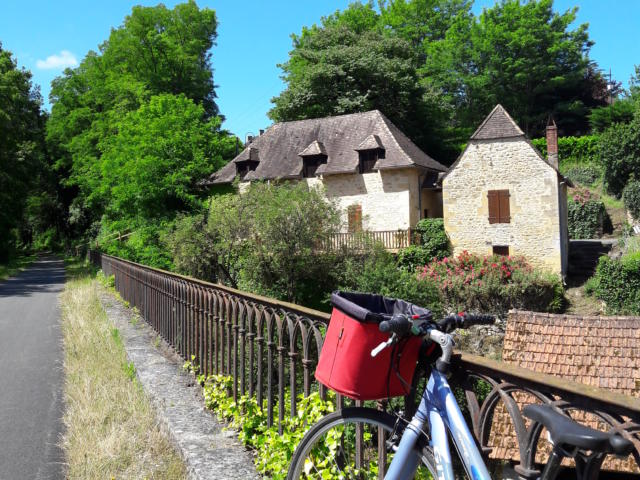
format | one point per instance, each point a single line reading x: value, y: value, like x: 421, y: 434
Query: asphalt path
x: 31, y: 374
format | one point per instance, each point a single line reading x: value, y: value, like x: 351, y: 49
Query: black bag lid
x: 372, y: 308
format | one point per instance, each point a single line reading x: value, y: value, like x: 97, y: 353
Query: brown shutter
x: 494, y: 206
x: 499, y: 210
x: 354, y: 213
x: 505, y: 213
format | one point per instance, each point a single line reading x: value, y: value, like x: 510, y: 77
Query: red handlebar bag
x: 345, y: 363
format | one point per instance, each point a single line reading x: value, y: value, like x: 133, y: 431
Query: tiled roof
x: 280, y: 147
x: 498, y: 124
x: 598, y: 351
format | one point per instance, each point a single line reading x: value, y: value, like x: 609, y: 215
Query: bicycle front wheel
x: 350, y: 444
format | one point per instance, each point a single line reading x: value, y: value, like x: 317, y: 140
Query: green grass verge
x: 111, y: 430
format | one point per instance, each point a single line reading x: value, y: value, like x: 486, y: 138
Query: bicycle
x: 355, y: 442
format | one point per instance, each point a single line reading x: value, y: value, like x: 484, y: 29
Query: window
x: 242, y: 168
x: 499, y: 206
x: 354, y: 214
x: 368, y: 159
x: 501, y: 250
x: 310, y: 165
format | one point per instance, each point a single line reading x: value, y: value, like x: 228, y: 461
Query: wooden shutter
x: 499, y: 210
x: 354, y: 213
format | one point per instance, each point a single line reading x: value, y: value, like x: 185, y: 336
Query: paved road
x: 31, y: 373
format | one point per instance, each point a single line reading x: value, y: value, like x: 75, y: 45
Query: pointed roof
x: 314, y: 148
x: 372, y: 142
x: 339, y: 137
x: 498, y: 124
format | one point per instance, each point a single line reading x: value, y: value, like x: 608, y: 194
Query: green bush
x: 617, y: 283
x: 572, y: 150
x: 619, y: 152
x: 631, y: 198
x: 586, y: 215
x: 494, y: 284
x: 584, y: 174
x: 378, y: 272
x: 434, y: 243
x: 273, y: 450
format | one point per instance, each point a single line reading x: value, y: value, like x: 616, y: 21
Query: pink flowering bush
x: 493, y: 284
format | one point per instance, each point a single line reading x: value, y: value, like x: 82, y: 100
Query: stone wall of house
x: 388, y: 197
x: 509, y: 164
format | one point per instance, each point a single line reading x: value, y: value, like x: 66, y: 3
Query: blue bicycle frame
x: 439, y: 408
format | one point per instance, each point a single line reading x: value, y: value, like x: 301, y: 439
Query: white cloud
x: 58, y: 62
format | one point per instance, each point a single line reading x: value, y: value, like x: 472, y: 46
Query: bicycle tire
x: 320, y: 440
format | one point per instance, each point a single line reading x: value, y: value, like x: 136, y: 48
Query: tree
x: 21, y: 146
x: 524, y: 56
x: 348, y: 65
x: 157, y: 51
x: 149, y: 169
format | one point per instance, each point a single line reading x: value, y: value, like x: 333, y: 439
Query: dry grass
x: 111, y: 428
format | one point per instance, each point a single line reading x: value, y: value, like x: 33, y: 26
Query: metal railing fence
x: 268, y: 347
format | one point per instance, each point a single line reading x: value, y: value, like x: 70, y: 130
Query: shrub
x: 617, y: 283
x: 434, y: 243
x: 493, y: 284
x: 619, y: 152
x: 631, y: 198
x: 376, y: 271
x: 572, y: 150
x: 586, y: 215
x: 584, y: 174
x: 273, y: 450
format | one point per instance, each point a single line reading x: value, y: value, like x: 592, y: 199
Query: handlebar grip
x: 471, y: 319
x: 398, y: 324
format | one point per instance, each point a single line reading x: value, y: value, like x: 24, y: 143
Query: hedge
x: 572, y: 149
x: 631, y: 198
x: 617, y: 283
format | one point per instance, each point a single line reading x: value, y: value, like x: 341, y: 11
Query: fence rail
x: 391, y: 239
x: 269, y: 346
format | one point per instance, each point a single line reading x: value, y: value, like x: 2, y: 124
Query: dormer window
x: 311, y: 163
x: 368, y: 159
x: 242, y: 168
x: 247, y: 161
x: 312, y: 157
x: 369, y: 152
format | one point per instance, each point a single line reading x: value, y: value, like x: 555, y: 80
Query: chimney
x: 249, y: 139
x: 552, y: 143
x: 261, y: 131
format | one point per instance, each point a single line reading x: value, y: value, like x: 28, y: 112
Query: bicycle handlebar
x: 401, y: 325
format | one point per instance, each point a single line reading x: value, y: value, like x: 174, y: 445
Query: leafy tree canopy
x: 21, y: 146
x: 135, y: 123
x: 436, y: 70
x: 350, y: 64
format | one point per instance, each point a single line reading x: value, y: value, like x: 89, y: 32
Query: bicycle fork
x: 439, y: 407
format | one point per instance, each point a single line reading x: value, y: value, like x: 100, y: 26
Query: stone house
x: 377, y: 176
x: 502, y: 196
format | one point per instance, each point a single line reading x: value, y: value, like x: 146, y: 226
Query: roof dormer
x: 312, y: 157
x: 369, y: 151
x: 247, y: 161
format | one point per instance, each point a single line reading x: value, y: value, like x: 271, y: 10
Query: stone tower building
x: 502, y: 196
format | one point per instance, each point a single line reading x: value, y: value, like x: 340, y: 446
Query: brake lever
x: 383, y: 345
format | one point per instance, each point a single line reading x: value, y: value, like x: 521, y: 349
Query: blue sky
x: 253, y: 37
